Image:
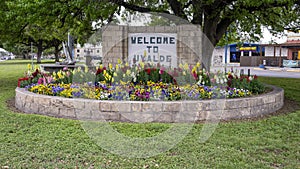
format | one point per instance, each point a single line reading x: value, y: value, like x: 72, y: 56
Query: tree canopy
x: 45, y: 23
x: 215, y: 16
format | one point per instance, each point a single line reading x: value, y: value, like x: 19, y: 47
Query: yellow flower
x: 142, y: 64
x: 101, y: 66
x: 29, y: 66
x: 186, y: 66
x: 110, y: 66
x: 59, y: 74
x: 194, y: 69
x: 86, y: 69
x: 119, y: 61
x: 180, y: 65
x: 122, y: 82
x: 79, y: 69
x: 198, y: 64
x: 128, y: 72
x: 117, y: 67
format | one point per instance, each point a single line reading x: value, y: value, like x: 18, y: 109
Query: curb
x: 258, y: 68
x: 290, y: 70
x: 276, y: 69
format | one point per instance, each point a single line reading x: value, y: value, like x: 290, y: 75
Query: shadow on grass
x: 24, y: 62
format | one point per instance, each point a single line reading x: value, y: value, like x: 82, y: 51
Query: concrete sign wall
x: 169, y: 45
x: 153, y: 48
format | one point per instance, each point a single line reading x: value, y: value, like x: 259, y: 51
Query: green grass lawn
x: 35, y: 141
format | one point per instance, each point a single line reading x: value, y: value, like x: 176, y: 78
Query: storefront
x: 245, y: 49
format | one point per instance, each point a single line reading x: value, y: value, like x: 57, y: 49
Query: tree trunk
x: 40, y: 51
x: 56, y: 53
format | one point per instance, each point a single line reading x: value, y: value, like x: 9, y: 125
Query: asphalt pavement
x: 268, y: 71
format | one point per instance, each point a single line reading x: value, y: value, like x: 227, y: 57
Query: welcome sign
x: 153, y: 48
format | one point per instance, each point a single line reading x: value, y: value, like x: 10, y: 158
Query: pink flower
x: 40, y: 81
x: 161, y: 71
x: 49, y: 79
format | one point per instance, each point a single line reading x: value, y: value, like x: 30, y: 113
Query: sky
x: 268, y: 37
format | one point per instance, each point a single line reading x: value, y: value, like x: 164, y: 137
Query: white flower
x: 200, y: 78
x: 221, y: 81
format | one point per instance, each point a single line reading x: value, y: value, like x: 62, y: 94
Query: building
x: 254, y: 54
x: 88, y: 50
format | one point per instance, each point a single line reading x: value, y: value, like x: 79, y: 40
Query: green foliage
x: 154, y: 75
x: 245, y: 82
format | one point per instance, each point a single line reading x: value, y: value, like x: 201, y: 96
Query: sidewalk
x: 268, y: 71
x: 279, y: 69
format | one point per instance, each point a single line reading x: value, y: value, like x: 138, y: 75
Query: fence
x: 256, y: 60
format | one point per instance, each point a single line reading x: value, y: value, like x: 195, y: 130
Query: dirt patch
x: 288, y: 107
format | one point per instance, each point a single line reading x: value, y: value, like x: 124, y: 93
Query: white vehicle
x: 5, y: 55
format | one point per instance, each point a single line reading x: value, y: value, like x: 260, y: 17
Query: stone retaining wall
x: 151, y: 111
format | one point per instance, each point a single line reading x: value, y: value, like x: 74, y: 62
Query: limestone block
x: 67, y: 112
x: 159, y: 29
x: 92, y: 105
x: 82, y: 114
x: 80, y: 104
x: 137, y: 117
x: 191, y: 106
x: 218, y: 104
x: 171, y: 107
x: 150, y: 29
x: 236, y: 103
x: 202, y: 115
x: 29, y: 98
x: 121, y: 107
x: 105, y: 116
x: 186, y: 116
x: 136, y: 107
x: 269, y: 99
x: 68, y: 103
x: 105, y: 106
x: 164, y: 117
x: 156, y: 107
x: 34, y: 108
x: 51, y: 110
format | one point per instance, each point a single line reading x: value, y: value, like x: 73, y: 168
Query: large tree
x: 216, y: 16
x: 46, y: 23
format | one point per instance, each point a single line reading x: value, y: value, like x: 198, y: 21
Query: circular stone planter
x: 150, y: 111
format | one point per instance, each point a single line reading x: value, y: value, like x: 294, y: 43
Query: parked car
x: 8, y: 57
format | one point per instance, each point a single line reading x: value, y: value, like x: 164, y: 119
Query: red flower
x: 21, y: 79
x: 148, y: 71
x: 194, y: 73
x: 34, y: 74
x: 100, y: 70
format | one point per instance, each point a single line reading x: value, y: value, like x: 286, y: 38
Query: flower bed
x: 142, y: 82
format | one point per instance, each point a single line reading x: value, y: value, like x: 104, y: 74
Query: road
x: 269, y: 71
